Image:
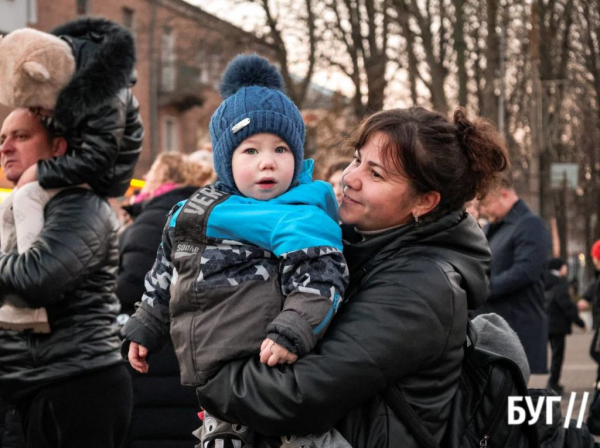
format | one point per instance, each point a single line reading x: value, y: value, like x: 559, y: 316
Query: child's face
x: 263, y: 166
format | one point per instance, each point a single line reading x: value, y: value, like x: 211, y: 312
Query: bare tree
x: 359, y: 31
x: 297, y: 90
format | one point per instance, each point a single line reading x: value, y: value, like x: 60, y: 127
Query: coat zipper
x: 495, y: 420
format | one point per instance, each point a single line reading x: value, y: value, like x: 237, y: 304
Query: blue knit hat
x: 254, y: 102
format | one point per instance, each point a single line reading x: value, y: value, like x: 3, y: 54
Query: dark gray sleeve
x: 313, y: 281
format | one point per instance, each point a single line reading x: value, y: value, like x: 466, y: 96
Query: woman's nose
x: 351, y: 179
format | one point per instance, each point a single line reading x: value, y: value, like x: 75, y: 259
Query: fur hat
x: 253, y: 103
x: 34, y: 68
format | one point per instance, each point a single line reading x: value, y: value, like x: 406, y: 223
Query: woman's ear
x: 426, y: 203
x: 59, y: 146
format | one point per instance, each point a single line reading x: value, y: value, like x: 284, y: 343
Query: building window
x: 83, y: 7
x: 32, y: 11
x: 168, y: 60
x: 170, y: 138
x: 128, y: 18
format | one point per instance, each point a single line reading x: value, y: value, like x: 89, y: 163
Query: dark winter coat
x: 71, y: 271
x: 96, y: 111
x: 562, y: 312
x: 11, y: 433
x: 138, y: 244
x: 520, y: 246
x: 592, y: 295
x: 217, y: 294
x: 165, y: 412
x: 404, y: 324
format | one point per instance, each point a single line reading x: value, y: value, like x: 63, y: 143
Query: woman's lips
x: 347, y: 199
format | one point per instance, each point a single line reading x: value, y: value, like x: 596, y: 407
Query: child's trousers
x: 215, y: 433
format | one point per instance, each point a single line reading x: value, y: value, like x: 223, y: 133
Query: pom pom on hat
x: 248, y: 70
x: 253, y: 103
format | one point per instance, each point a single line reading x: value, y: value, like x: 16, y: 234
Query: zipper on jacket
x: 496, y: 418
x: 483, y: 443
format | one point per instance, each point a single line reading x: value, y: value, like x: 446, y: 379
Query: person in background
x: 70, y: 386
x: 520, y: 245
x: 592, y: 297
x: 203, y: 156
x: 164, y: 411
x: 334, y: 177
x: 562, y: 312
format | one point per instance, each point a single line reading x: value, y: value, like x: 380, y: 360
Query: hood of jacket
x: 105, y: 63
x: 455, y: 238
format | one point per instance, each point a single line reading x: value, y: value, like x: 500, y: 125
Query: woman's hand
x: 137, y: 357
x: 272, y: 354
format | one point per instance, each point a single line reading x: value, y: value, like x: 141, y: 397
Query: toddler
x: 253, y: 262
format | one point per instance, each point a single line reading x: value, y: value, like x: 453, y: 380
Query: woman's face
x: 375, y: 198
x: 336, y: 182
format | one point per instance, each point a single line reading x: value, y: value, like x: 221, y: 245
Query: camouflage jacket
x: 231, y: 271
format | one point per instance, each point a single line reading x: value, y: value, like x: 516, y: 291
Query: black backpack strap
x: 397, y: 401
x: 193, y: 217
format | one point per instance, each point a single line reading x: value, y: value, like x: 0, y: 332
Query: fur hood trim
x: 98, y: 80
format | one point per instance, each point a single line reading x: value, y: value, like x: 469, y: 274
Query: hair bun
x: 464, y: 127
x: 249, y: 70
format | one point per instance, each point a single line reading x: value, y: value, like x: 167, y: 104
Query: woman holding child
x: 417, y: 263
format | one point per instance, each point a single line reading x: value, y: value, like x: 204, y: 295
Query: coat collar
x: 517, y: 211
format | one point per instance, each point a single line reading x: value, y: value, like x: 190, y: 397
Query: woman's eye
x: 280, y: 149
x: 376, y: 174
x: 251, y: 151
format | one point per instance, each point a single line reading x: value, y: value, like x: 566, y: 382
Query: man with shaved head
x: 69, y: 386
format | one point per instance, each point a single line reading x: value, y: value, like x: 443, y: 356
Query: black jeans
x: 91, y: 410
x: 557, y: 345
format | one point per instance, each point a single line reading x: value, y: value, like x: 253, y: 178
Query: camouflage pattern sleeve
x: 149, y: 325
x: 313, y: 281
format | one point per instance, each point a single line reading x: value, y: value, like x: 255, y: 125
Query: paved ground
x: 579, y: 372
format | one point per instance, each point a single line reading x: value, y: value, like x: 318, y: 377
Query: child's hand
x: 29, y: 175
x: 137, y: 357
x: 272, y: 354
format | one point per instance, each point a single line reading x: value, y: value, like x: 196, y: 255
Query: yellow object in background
x: 135, y: 184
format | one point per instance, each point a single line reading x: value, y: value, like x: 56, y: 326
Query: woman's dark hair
x: 462, y: 160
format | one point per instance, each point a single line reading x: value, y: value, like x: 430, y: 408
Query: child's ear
x: 36, y: 70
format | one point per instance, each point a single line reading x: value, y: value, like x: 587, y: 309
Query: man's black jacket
x: 71, y: 271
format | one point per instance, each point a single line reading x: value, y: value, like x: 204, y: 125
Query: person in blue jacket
x: 252, y: 264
